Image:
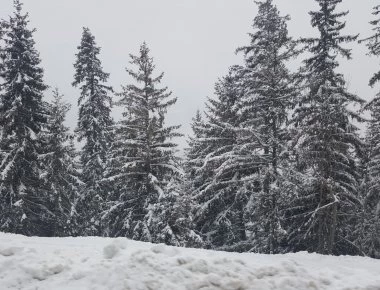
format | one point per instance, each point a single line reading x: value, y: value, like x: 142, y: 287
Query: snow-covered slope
x: 100, y: 263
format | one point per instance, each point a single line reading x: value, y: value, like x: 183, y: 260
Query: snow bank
x: 102, y: 264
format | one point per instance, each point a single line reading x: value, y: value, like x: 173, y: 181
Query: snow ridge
x: 121, y: 264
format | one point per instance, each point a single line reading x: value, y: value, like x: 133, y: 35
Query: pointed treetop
x: 144, y: 53
x: 87, y: 32
x: 58, y: 99
x: 198, y: 115
x: 144, y: 47
x: 328, y: 45
x: 18, y: 16
x: 87, y: 36
x: 18, y: 5
x: 88, y: 67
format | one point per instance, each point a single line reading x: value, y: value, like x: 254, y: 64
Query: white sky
x: 192, y: 41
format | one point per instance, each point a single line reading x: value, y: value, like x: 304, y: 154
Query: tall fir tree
x: 62, y: 173
x: 240, y: 183
x: 262, y: 146
x: 23, y: 115
x: 93, y: 129
x: 219, y: 214
x: 370, y: 226
x: 143, y: 161
x: 328, y: 144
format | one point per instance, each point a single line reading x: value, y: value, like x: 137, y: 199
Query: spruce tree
x: 219, y: 214
x: 193, y: 152
x: 268, y: 94
x: 370, y: 226
x: 328, y: 144
x: 171, y: 217
x: 62, y: 170
x: 143, y: 161
x: 241, y: 183
x: 196, y: 152
x: 93, y: 129
x: 23, y: 115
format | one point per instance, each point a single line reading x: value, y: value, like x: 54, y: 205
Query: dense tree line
x: 275, y: 163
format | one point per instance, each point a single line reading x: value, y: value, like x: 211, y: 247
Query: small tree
x: 172, y: 219
x: 195, y: 151
x: 143, y: 160
x: 23, y: 115
x: 62, y: 170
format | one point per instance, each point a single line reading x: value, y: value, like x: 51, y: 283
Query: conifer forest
x: 281, y: 160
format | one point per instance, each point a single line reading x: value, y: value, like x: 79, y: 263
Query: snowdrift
x: 102, y: 264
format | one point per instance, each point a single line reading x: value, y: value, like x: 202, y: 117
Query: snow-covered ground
x: 100, y: 263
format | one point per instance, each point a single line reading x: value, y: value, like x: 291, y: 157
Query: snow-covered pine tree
x: 268, y: 94
x: 367, y: 232
x: 219, y: 214
x: 62, y: 172
x: 143, y: 161
x: 93, y: 129
x: 321, y: 213
x: 172, y: 219
x: 23, y: 200
x: 370, y: 226
x: 193, y: 151
x: 196, y: 152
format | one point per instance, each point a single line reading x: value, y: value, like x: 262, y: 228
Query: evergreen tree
x: 327, y: 143
x: 370, y: 226
x: 23, y: 115
x: 142, y: 161
x: 241, y: 182
x: 367, y: 232
x: 93, y: 129
x: 268, y: 94
x: 193, y: 152
x: 196, y: 152
x: 219, y: 214
x: 172, y: 219
x: 62, y: 169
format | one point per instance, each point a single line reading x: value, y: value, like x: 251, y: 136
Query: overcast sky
x: 192, y: 41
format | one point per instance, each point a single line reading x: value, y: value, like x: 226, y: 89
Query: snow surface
x: 103, y: 263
